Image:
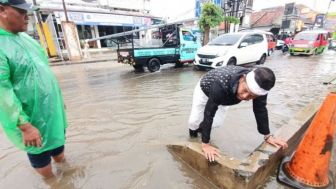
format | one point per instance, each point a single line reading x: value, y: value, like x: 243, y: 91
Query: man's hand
x: 277, y: 142
x: 30, y: 135
x: 210, y: 152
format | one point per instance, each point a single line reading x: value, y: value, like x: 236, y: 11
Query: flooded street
x: 120, y: 122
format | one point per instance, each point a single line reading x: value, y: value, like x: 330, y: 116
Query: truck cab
x: 179, y: 45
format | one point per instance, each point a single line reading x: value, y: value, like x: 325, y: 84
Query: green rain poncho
x: 29, y: 92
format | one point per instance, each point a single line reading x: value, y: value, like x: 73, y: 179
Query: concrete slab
x: 253, y: 170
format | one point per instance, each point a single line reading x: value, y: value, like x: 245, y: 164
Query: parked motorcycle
x: 332, y: 45
x: 285, y: 48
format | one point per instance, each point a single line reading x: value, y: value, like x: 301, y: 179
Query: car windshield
x: 226, y: 40
x: 306, y: 36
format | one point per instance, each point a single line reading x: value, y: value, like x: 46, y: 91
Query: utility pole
x: 39, y: 21
x: 326, y: 15
x: 329, y: 7
x: 65, y: 12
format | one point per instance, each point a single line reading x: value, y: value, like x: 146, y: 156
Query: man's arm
x: 261, y: 115
x: 9, y: 103
x: 206, y: 125
x: 215, y: 95
x: 11, y: 112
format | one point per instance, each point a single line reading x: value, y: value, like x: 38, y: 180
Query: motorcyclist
x: 288, y: 42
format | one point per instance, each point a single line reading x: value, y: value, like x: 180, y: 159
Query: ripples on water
x: 120, y: 122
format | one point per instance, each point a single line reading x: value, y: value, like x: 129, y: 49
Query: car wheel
x: 153, y: 65
x: 262, y: 59
x: 232, y: 62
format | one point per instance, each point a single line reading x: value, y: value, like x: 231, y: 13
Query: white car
x: 233, y: 49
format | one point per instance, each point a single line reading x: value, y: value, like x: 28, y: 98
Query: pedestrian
x: 31, y: 106
x: 86, y: 51
x: 224, y: 87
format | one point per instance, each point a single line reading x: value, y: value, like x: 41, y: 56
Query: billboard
x: 319, y: 21
x: 330, y: 23
x: 285, y: 24
x: 289, y: 9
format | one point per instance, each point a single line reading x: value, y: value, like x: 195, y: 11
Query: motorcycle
x: 332, y: 45
x: 285, y: 48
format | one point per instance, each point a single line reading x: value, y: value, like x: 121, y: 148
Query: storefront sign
x: 102, y: 19
x: 319, y: 21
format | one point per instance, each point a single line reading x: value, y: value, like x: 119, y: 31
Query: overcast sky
x: 185, y: 8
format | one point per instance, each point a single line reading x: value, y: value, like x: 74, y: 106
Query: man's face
x: 244, y: 92
x: 15, y: 20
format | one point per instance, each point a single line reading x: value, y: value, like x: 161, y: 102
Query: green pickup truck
x: 179, y: 46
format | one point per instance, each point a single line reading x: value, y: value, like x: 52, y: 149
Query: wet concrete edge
x: 65, y: 63
x: 253, y: 171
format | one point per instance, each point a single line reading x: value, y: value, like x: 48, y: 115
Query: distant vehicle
x: 332, y: 44
x: 179, y: 46
x: 332, y: 40
x: 280, y: 44
x: 233, y: 49
x: 271, y: 41
x: 309, y: 42
x: 288, y: 43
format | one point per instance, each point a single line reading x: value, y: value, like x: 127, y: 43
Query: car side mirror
x: 194, y: 39
x: 243, y: 44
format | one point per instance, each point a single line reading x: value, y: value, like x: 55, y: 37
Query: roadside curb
x: 80, y: 62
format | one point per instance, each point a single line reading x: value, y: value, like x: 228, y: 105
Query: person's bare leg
x: 59, y: 158
x: 46, y: 171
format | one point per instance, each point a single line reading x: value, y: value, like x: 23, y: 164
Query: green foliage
x: 211, y: 16
x: 232, y: 19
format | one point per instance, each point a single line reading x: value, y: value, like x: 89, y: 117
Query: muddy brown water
x: 121, y: 121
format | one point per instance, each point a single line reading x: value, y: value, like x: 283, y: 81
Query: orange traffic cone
x: 308, y: 167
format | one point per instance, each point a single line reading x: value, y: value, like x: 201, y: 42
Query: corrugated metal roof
x: 267, y: 17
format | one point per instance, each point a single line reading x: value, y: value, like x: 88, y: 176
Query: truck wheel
x: 232, y: 62
x: 153, y: 65
x: 138, y: 67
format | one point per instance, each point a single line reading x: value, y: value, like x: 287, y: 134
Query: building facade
x: 291, y: 18
x: 95, y: 18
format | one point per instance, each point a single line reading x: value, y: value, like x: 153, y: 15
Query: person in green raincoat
x: 31, y: 105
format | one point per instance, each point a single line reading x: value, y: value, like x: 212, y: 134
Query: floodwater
x: 121, y: 121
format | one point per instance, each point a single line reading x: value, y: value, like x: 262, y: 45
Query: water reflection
x: 120, y: 122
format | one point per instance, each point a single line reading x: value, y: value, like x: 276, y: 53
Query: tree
x: 211, y: 16
x: 230, y: 20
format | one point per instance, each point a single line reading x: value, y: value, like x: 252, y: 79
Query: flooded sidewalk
x: 120, y: 122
